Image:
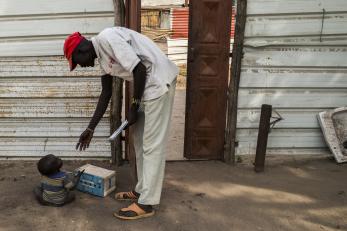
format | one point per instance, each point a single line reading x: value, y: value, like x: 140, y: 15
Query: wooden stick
x: 263, y: 133
x: 235, y: 70
x: 117, y: 94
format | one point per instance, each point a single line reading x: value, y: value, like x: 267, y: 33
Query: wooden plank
x: 53, y: 26
x: 50, y: 127
x: 283, y: 138
x: 296, y: 56
x: 294, y: 6
x: 293, y: 78
x: 292, y: 98
x: 292, y: 118
x: 56, y: 66
x: 33, y: 147
x: 325, y: 40
x: 234, y: 83
x: 291, y: 25
x: 50, y: 87
x: 33, y: 7
x: 66, y: 107
x: 263, y: 133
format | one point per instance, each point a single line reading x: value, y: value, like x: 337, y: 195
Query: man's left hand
x: 132, y: 115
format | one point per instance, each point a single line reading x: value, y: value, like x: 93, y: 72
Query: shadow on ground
x: 295, y: 193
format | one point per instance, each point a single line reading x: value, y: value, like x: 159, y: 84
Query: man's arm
x: 139, y: 74
x: 104, y: 99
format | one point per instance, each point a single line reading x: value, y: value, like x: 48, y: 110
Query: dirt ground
x: 295, y: 193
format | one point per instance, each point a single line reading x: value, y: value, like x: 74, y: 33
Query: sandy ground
x: 295, y: 193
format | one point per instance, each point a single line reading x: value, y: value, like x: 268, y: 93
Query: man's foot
x: 135, y: 211
x: 127, y: 196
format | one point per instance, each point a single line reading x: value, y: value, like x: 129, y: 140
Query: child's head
x: 49, y: 164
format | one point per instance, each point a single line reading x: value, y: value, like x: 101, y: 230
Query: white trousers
x: 150, y: 138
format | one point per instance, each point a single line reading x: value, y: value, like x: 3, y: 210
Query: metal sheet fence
x: 44, y: 107
x: 295, y: 64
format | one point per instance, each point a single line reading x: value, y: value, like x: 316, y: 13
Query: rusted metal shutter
x: 179, y: 22
x: 180, y: 19
x: 44, y: 107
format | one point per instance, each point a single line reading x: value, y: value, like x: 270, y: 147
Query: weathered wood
x: 132, y: 21
x: 116, y: 120
x: 263, y: 133
x: 235, y: 70
x: 117, y: 94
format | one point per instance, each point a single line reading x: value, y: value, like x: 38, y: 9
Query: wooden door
x: 207, y: 78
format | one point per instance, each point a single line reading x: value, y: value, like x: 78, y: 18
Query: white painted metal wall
x: 44, y: 107
x: 291, y: 65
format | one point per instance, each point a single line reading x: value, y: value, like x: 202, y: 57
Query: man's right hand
x: 84, y: 140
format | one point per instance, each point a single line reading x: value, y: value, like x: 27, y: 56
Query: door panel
x: 207, y: 78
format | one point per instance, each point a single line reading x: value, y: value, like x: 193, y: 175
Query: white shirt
x: 119, y: 50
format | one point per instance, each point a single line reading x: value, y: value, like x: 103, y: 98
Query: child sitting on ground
x: 56, y: 185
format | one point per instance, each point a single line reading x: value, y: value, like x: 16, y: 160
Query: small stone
x: 338, y: 227
x: 15, y: 179
x: 2, y: 178
x: 23, y: 176
x: 341, y: 193
x: 200, y: 194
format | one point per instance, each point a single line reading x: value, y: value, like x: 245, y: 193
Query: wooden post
x: 117, y: 93
x: 235, y: 71
x: 133, y: 21
x: 263, y: 133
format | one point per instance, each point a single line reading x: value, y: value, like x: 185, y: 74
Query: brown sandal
x: 133, y: 212
x: 127, y: 196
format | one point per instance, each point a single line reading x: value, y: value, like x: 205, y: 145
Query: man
x: 132, y: 56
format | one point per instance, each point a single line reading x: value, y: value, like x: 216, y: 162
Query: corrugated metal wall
x: 293, y: 64
x: 44, y: 107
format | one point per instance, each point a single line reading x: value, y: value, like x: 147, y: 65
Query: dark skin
x: 85, y: 55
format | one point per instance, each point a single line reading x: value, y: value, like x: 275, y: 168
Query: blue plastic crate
x: 96, y: 181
